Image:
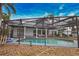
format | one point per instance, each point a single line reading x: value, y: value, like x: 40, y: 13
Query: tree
x: 4, y: 17
x: 8, y: 7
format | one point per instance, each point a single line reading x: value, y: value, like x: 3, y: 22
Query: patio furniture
x: 9, y: 40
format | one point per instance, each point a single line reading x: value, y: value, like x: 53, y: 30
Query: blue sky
x: 32, y: 10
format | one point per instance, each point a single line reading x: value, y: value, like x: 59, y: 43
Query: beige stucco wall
x: 15, y: 32
x: 29, y: 32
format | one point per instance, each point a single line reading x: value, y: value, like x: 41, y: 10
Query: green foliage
x: 5, y: 32
x: 6, y: 17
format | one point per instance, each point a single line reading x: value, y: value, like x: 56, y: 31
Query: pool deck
x: 26, y: 50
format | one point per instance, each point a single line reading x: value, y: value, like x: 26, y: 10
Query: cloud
x: 61, y: 7
x: 20, y: 17
x: 45, y: 14
x: 71, y: 14
x: 24, y: 16
x: 61, y: 14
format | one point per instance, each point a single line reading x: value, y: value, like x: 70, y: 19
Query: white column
x: 67, y: 32
x: 46, y: 32
x: 24, y: 32
x: 36, y: 32
x: 0, y: 22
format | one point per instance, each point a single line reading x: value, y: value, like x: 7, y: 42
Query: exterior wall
x: 15, y: 32
x: 20, y: 32
x: 29, y: 32
x: 50, y: 32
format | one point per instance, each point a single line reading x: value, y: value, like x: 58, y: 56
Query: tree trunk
x: 0, y: 11
x: 0, y: 22
x: 3, y: 32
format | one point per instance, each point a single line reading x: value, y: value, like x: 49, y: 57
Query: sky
x: 36, y: 10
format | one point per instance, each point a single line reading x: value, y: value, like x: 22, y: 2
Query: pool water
x: 49, y: 42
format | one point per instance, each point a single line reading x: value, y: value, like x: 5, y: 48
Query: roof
x: 31, y: 22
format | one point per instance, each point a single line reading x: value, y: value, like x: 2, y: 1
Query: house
x: 39, y: 27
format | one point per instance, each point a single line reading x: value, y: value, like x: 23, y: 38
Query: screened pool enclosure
x: 50, y: 30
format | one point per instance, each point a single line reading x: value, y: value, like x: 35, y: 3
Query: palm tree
x: 8, y: 7
x: 5, y: 16
x: 5, y: 26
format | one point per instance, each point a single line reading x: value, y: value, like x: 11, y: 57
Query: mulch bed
x: 26, y: 50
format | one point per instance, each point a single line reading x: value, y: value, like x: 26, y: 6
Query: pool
x: 48, y: 42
